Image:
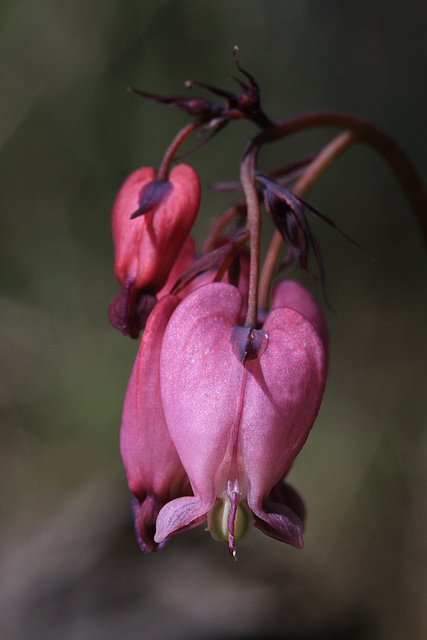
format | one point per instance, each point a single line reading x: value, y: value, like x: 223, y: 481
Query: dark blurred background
x: 69, y: 134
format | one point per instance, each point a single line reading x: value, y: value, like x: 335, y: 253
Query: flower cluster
x: 232, y: 363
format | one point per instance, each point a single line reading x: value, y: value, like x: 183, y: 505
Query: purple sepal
x: 279, y: 522
x: 129, y: 310
x: 152, y: 195
x: 145, y: 516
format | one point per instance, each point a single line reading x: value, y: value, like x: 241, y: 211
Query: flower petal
x: 153, y: 468
x: 147, y: 246
x: 281, y: 523
x: 282, y: 398
x: 200, y: 381
x: 178, y: 516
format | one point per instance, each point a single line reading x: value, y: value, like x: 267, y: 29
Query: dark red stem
x: 365, y: 131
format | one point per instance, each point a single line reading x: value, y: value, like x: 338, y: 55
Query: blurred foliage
x: 69, y: 133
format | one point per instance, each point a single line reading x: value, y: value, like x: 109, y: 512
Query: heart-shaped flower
x: 151, y: 220
x: 239, y: 404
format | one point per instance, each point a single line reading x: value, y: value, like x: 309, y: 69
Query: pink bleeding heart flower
x: 154, y: 471
x: 151, y: 220
x: 239, y: 404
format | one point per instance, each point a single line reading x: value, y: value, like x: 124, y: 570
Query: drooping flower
x: 154, y: 471
x: 239, y: 404
x: 216, y: 412
x: 151, y: 220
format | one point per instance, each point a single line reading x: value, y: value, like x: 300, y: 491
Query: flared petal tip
x: 281, y: 522
x: 177, y: 516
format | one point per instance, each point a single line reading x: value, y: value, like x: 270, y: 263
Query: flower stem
x: 163, y: 171
x: 247, y: 172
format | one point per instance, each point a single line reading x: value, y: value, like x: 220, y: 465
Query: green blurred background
x: 69, y: 134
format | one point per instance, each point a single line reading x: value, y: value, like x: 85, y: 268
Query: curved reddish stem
x: 163, y: 171
x: 364, y: 131
x: 247, y: 174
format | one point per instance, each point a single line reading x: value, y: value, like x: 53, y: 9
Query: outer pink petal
x: 149, y: 455
x: 126, y: 232
x: 178, y: 516
x: 200, y: 381
x: 282, y: 399
x: 147, y: 246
